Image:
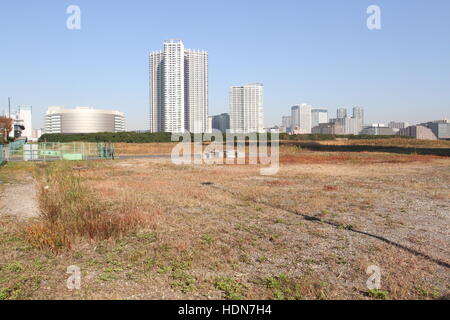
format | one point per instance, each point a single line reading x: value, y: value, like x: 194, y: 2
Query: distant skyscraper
x: 352, y: 125
x: 178, y: 89
x: 196, y: 91
x: 247, y: 108
x: 358, y: 115
x: 221, y: 122
x: 318, y: 116
x: 302, y: 118
x: 286, y: 123
x: 295, y: 117
x: 341, y: 113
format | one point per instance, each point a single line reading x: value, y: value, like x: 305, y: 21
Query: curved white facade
x: 83, y: 120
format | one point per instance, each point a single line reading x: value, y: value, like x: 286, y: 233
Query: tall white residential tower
x: 247, y: 108
x: 178, y: 89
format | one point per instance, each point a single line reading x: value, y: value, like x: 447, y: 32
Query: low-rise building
x: 419, y: 132
x: 440, y: 128
x: 398, y: 125
x: 335, y: 128
x: 83, y: 120
x: 378, y: 129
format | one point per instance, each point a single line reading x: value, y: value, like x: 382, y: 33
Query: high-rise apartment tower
x: 247, y: 108
x: 178, y: 89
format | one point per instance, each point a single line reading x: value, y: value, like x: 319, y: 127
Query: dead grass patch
x: 69, y: 210
x: 355, y: 158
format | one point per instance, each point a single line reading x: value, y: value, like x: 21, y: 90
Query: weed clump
x: 231, y: 288
x: 68, y: 209
x: 283, y: 288
x: 378, y: 294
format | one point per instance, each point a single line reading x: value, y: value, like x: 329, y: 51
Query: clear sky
x: 317, y: 51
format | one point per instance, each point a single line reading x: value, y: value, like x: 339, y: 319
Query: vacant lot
x: 126, y: 149
x: 226, y: 232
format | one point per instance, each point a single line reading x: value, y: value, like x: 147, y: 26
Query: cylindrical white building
x: 83, y: 120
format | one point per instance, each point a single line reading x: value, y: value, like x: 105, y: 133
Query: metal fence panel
x: 53, y: 151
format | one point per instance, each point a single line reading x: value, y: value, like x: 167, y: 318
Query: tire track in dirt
x: 337, y: 225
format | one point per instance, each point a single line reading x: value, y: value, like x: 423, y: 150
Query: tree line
x: 154, y: 137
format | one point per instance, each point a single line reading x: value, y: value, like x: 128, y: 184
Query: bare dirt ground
x: 309, y: 232
x: 19, y: 199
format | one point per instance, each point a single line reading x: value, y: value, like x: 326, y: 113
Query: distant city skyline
x: 399, y: 73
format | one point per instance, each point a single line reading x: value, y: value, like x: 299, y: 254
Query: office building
x: 221, y: 122
x: 378, y: 129
x: 318, y: 116
x: 440, y: 128
x: 301, y: 119
x: 419, y: 132
x: 247, y: 108
x: 286, y: 122
x: 295, y: 117
x: 341, y: 113
x: 83, y: 120
x: 358, y: 115
x: 352, y: 125
x: 335, y: 128
x: 398, y: 125
x: 178, y: 89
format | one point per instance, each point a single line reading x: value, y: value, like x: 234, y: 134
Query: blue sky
x: 318, y: 52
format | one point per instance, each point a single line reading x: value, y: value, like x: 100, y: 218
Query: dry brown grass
x: 166, y: 148
x: 144, y: 148
x: 394, y: 142
x: 224, y: 231
x: 69, y: 210
x: 362, y: 158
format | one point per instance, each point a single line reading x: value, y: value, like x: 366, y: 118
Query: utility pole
x: 9, y: 107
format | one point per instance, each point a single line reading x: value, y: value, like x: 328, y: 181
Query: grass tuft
x: 231, y: 288
x: 378, y: 294
x: 69, y: 210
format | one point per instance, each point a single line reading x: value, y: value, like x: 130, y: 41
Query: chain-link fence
x: 53, y: 151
